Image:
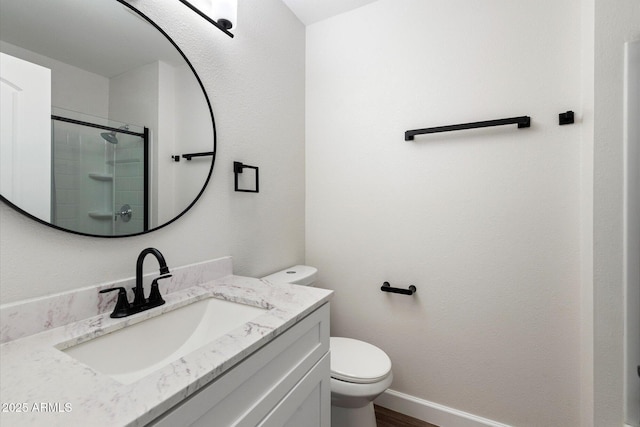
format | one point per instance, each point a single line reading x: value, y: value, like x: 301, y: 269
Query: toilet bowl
x: 360, y: 371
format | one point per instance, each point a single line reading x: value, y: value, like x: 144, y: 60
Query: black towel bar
x: 386, y: 287
x: 176, y: 158
x: 522, y: 122
x: 191, y: 155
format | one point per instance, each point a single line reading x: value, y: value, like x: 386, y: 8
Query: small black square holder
x: 237, y: 169
x: 566, y: 118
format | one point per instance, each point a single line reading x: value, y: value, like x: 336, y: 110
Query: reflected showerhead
x: 111, y: 136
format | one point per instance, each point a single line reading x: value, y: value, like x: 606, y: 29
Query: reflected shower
x: 110, y: 178
x: 111, y: 136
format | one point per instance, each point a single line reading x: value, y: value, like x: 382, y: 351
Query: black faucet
x: 140, y: 303
x: 139, y: 290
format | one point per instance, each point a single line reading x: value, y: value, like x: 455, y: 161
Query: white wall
x: 486, y: 223
x: 134, y: 99
x: 188, y: 175
x: 133, y: 96
x: 256, y: 85
x: 614, y: 24
x: 587, y: 59
x: 72, y: 88
x: 162, y: 166
x: 632, y: 230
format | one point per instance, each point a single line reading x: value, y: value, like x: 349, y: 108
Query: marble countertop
x: 42, y: 386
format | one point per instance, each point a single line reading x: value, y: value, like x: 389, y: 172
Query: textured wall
x: 256, y: 85
x: 484, y: 222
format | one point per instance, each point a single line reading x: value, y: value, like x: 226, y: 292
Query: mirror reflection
x: 96, y: 106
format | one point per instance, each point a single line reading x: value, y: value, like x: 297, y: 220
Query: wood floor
x: 388, y: 418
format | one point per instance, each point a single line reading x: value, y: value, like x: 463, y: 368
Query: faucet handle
x: 122, y: 305
x: 154, y: 296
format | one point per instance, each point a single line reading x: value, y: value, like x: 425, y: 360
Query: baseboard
x: 431, y: 412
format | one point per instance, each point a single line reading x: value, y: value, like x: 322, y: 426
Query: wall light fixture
x: 221, y: 13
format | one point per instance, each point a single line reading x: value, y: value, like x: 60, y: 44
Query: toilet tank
x: 298, y: 275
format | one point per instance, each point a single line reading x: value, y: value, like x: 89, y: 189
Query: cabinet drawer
x: 245, y: 394
x: 308, y: 404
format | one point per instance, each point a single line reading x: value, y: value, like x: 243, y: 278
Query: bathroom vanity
x: 67, y: 368
x: 283, y: 384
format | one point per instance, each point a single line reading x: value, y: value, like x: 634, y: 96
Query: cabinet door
x: 308, y: 404
x: 246, y: 395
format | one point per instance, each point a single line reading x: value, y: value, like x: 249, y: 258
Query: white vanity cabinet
x: 284, y: 383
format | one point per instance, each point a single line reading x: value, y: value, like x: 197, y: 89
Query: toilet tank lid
x: 298, y: 275
x: 358, y: 361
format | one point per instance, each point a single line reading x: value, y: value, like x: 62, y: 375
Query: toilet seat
x: 357, y: 361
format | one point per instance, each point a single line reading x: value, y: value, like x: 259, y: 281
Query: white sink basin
x: 135, y: 351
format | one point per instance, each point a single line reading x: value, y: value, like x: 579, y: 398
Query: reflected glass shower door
x: 99, y: 175
x: 130, y: 184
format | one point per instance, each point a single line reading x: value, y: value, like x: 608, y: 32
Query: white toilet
x: 360, y: 371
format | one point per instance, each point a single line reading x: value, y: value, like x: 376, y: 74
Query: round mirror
x: 106, y: 129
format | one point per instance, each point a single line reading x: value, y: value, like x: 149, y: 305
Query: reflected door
x: 25, y: 141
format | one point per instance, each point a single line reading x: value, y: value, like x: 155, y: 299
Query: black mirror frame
x: 213, y: 154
